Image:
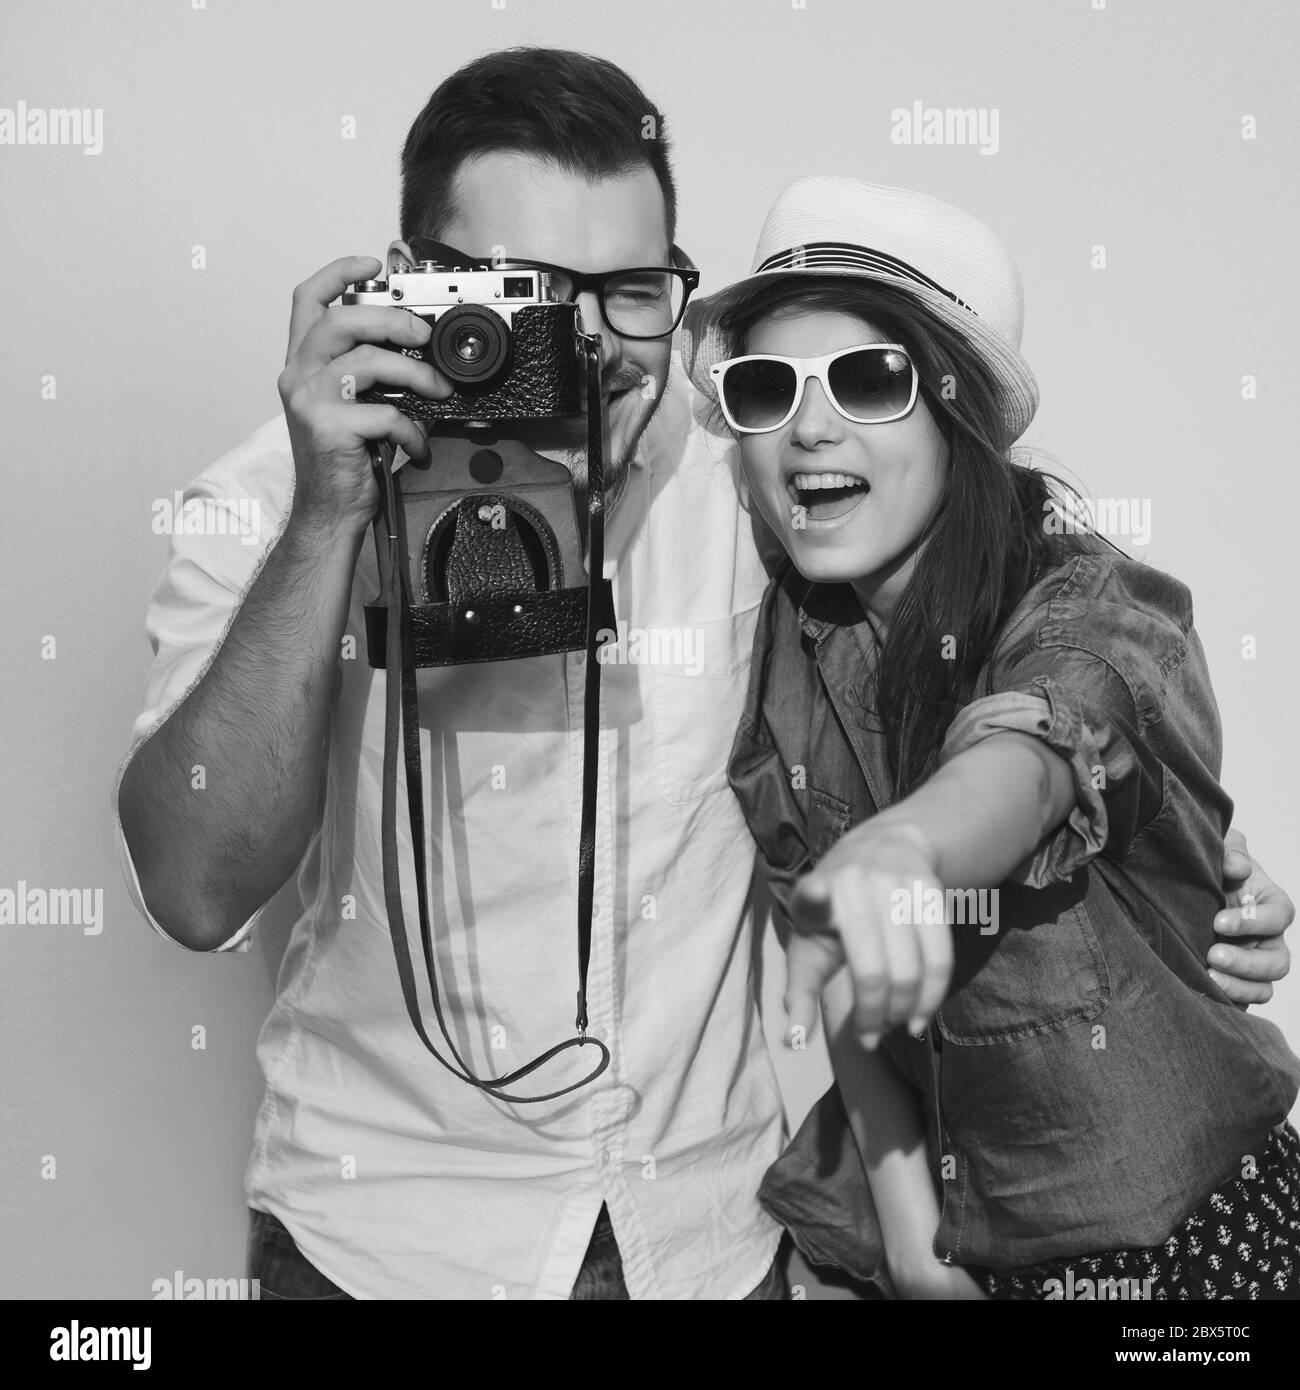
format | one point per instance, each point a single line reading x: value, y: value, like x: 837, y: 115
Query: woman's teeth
x: 842, y: 483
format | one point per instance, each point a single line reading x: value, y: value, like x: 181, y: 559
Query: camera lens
x: 470, y: 346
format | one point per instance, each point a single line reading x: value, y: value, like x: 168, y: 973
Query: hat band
x: 843, y: 255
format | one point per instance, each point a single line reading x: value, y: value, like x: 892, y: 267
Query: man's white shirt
x: 394, y: 1178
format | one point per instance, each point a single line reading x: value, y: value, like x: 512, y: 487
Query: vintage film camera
x: 480, y: 559
x: 491, y: 536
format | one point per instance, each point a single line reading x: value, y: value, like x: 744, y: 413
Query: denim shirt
x: 1086, y: 1084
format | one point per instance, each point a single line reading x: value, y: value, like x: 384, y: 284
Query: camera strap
x: 402, y: 729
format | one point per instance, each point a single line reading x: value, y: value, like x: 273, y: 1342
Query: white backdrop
x: 1162, y: 131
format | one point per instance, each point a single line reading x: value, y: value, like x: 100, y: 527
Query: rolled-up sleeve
x: 1081, y: 707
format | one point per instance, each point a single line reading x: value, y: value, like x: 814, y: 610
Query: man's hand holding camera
x: 335, y: 353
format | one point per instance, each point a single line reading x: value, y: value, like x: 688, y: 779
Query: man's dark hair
x: 582, y: 113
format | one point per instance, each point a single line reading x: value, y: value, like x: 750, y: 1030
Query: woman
x: 961, y: 709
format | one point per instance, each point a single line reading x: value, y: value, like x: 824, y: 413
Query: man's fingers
x: 1236, y: 867
x: 1266, y: 915
x: 1268, y: 960
x: 350, y: 326
x: 1242, y: 992
x: 386, y: 422
x: 1256, y: 905
x: 368, y: 366
x: 311, y: 298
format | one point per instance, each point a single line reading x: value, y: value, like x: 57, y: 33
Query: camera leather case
x: 493, y: 557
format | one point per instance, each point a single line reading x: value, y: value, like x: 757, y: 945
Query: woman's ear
x: 400, y: 258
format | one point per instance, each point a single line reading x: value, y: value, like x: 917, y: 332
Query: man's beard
x: 616, y: 471
x: 616, y: 468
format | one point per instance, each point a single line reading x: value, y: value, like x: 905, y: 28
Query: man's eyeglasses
x: 640, y: 302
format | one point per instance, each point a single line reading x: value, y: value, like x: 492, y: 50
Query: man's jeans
x: 284, y: 1273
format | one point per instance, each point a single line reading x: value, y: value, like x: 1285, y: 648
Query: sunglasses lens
x: 872, y: 383
x: 759, y: 394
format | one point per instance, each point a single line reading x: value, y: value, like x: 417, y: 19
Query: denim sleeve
x: 1078, y: 704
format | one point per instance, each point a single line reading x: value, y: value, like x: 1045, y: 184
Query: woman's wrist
x: 896, y: 839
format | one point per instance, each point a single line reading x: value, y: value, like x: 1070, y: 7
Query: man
x: 375, y: 1173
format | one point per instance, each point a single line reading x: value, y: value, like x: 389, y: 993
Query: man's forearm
x: 211, y: 849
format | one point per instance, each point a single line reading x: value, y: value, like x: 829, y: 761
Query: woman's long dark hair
x: 988, y: 539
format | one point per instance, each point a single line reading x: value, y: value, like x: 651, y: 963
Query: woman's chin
x: 822, y: 565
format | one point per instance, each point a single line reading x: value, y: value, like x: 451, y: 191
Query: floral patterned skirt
x: 1242, y: 1242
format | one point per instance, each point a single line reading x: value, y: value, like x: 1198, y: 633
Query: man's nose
x: 816, y: 421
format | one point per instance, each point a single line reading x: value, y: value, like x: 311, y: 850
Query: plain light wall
x: 223, y: 125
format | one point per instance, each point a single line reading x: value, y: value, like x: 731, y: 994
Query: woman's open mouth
x: 827, y: 496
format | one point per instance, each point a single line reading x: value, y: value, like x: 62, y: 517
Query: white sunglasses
x: 871, y: 385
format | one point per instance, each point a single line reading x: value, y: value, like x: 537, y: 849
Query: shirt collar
x: 824, y: 607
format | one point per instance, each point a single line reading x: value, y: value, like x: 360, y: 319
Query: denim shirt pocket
x: 1042, y: 974
x: 829, y: 818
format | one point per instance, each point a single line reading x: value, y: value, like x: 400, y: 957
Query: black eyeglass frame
x: 687, y: 274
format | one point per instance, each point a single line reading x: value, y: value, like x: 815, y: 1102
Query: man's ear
x: 400, y: 257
